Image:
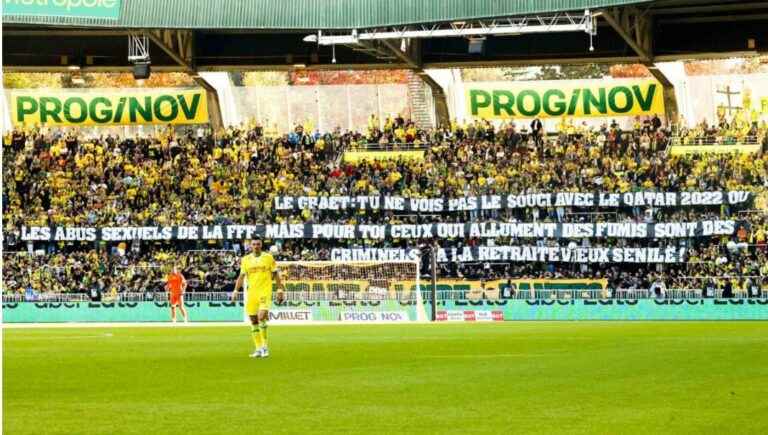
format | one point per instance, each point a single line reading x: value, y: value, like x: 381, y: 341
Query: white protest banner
x: 484, y: 230
x: 521, y: 253
x: 513, y: 201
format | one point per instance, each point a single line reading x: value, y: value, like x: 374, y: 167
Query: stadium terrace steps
x: 420, y: 95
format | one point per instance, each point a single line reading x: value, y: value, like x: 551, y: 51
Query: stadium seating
x: 65, y: 178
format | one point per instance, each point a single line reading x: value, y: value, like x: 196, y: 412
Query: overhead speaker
x: 476, y: 45
x: 141, y: 71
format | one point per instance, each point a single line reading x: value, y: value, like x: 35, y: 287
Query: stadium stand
x: 193, y: 177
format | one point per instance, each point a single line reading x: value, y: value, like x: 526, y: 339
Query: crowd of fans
x: 102, y: 276
x: 736, y: 130
x: 194, y: 177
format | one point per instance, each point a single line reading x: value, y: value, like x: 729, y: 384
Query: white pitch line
x: 64, y: 337
x: 491, y: 355
x: 188, y: 325
x: 117, y: 325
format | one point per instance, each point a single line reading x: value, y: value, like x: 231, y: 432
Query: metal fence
x: 394, y: 146
x: 207, y: 296
x: 715, y: 141
x: 558, y: 294
x: 120, y: 297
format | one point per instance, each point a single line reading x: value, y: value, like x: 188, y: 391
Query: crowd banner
x: 101, y: 107
x: 495, y: 289
x: 513, y: 201
x: 327, y: 286
x: 357, y: 156
x: 521, y: 253
x: 491, y: 288
x: 484, y: 230
x: 552, y: 99
x: 103, y: 9
x: 681, y: 150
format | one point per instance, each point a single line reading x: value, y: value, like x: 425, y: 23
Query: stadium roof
x: 226, y: 35
x: 310, y: 14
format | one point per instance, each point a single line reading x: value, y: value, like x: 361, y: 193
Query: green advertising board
x: 570, y: 98
x: 206, y: 311
x: 99, y: 107
x: 394, y: 311
x: 105, y: 9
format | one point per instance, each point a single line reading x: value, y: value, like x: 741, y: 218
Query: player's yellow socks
x: 263, y: 329
x: 256, y: 335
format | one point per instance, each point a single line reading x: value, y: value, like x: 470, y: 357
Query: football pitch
x: 526, y: 377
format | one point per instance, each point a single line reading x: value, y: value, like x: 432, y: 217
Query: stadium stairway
x: 421, y: 101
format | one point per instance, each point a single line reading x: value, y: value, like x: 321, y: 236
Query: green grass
x: 590, y: 377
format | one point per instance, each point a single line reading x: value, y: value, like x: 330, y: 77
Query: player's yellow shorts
x: 256, y: 302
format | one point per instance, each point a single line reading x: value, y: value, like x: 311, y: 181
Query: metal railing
x: 46, y: 297
x: 207, y: 296
x: 715, y: 140
x: 741, y: 213
x: 120, y: 297
x: 391, y: 146
x: 558, y: 294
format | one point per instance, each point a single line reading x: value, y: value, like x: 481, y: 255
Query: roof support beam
x: 710, y: 55
x: 176, y: 44
x: 373, y: 49
x: 179, y: 46
x: 207, y: 68
x: 670, y: 99
x: 412, y: 58
x: 634, y: 27
x: 87, y: 69
x: 535, y: 62
x: 529, y: 24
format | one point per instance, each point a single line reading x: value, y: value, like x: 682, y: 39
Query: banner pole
x: 434, y: 280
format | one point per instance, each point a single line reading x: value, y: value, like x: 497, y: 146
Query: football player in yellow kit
x: 257, y: 270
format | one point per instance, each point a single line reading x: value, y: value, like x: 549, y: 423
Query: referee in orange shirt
x: 176, y: 285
